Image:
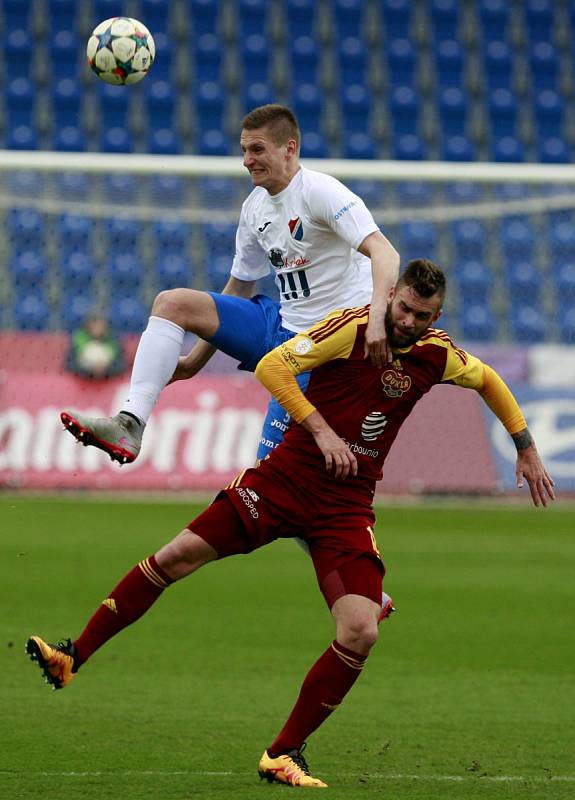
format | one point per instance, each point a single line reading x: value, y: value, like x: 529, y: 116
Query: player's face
x: 269, y: 164
x: 409, y: 315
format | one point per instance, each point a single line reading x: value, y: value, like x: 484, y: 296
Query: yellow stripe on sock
x: 151, y: 574
x: 354, y: 663
x: 110, y: 603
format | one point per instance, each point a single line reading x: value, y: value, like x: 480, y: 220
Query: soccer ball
x: 121, y: 50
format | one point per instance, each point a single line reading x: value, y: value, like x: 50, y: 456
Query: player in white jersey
x: 305, y: 227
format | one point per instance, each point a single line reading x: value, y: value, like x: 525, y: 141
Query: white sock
x: 156, y: 359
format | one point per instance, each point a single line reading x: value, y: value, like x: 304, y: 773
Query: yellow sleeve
x: 501, y: 401
x: 333, y: 337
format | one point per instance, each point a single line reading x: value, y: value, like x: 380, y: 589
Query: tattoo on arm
x: 522, y: 440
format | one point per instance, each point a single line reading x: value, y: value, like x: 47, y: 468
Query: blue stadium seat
x: 371, y: 192
x: 28, y: 270
x: 453, y: 110
x: 414, y: 194
x: 171, y: 236
x: 498, y: 65
x: 104, y: 9
x: 502, y: 108
x: 26, y: 229
x: 301, y: 17
x: 220, y: 239
x: 217, y: 191
x: 74, y: 308
x: 66, y: 102
x: 25, y: 183
x: 566, y: 324
x: 548, y: 110
x: 257, y: 94
x: 458, y: 148
x: 31, y: 312
x: 160, y: 102
x: 73, y: 185
x: 156, y: 15
x: 445, y: 18
x: 396, y: 16
x: 561, y: 239
x: 18, y: 50
x: 401, y: 59
x: 554, y: 150
x: 494, y: 18
x: 210, y: 102
x: 114, y: 103
x: 218, y: 271
x: 207, y: 56
x: 77, y: 272
x: 477, y: 322
x: 507, y: 149
x: 20, y: 99
x: 475, y: 281
x: 74, y: 232
x: 539, y: 18
x: 122, y: 235
x: 564, y: 280
x: 125, y: 273
x: 469, y: 237
x: 16, y: 14
x: 119, y: 188
x: 544, y: 66
x: 168, y: 190
x: 409, y: 147
x: 449, y: 63
x: 205, y: 15
x: 164, y: 60
x: 214, y: 142
x: 255, y: 59
x: 172, y: 271
x: 129, y: 315
x: 253, y: 17
x: 308, y: 105
x: 116, y: 140
x: 523, y: 281
x: 464, y: 192
x: 528, y: 323
x: 62, y: 14
x: 303, y: 53
x: 359, y: 145
x: 348, y: 17
x: 356, y: 104
x: 164, y: 142
x: 352, y: 60
x: 313, y: 145
x: 404, y: 110
x: 22, y: 137
x: 64, y: 54
x: 517, y: 239
x: 417, y: 240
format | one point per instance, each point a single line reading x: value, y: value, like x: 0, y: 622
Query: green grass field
x: 468, y: 694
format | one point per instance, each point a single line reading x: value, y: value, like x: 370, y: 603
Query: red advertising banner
x: 204, y: 431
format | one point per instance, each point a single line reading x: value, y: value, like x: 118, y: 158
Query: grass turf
x: 468, y: 694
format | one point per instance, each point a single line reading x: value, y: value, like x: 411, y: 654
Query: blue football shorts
x: 250, y: 328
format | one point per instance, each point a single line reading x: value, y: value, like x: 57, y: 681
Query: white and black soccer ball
x: 121, y: 50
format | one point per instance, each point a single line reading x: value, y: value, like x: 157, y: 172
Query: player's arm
x: 190, y: 364
x: 385, y: 271
x: 277, y: 371
x: 500, y: 399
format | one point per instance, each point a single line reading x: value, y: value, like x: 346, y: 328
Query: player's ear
x: 291, y: 147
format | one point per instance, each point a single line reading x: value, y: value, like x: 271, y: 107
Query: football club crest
x: 394, y: 383
x: 296, y: 229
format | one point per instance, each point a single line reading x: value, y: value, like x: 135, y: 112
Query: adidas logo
x: 110, y: 603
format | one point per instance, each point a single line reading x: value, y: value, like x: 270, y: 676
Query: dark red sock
x: 325, y: 686
x: 131, y: 598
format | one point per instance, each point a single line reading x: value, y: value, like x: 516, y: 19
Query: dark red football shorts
x: 255, y: 510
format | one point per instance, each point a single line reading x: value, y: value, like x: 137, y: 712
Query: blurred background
x: 403, y: 84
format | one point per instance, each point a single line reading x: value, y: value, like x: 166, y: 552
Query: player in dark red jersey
x: 319, y: 485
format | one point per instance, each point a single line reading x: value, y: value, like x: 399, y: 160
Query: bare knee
x: 192, y: 310
x: 359, y: 634
x: 184, y: 554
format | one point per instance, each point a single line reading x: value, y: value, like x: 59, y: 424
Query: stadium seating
x: 528, y: 323
x: 440, y: 79
x: 129, y: 314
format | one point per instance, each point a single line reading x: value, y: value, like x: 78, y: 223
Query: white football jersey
x: 308, y: 236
